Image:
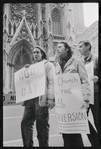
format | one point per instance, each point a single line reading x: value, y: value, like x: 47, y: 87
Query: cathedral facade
x: 28, y: 24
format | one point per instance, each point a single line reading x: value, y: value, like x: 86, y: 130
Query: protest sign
x: 90, y: 72
x: 30, y: 82
x: 70, y: 117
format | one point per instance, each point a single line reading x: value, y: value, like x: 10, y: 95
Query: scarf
x: 63, y: 61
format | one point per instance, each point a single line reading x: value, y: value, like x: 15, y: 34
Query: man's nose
x: 57, y: 50
x: 79, y: 49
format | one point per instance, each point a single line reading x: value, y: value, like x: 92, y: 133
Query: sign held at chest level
x: 26, y: 73
x: 30, y: 82
x: 70, y: 118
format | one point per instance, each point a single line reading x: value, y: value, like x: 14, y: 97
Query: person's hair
x: 86, y: 43
x: 70, y: 52
x: 44, y: 55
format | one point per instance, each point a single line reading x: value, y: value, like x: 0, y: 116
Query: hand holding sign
x: 50, y: 104
x: 94, y: 78
x: 85, y: 105
x: 27, y: 65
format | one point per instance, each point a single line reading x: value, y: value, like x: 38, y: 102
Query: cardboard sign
x: 90, y: 72
x: 30, y: 82
x: 70, y: 117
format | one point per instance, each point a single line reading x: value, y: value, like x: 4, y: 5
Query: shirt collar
x: 86, y: 59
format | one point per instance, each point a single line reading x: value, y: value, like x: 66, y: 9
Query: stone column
x: 50, y: 47
x: 7, y: 78
x: 7, y: 12
x: 12, y: 78
x: 39, y: 18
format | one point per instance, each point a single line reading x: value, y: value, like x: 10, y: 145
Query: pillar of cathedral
x: 7, y: 12
x: 50, y: 47
x: 12, y: 81
x: 39, y: 15
x: 7, y: 79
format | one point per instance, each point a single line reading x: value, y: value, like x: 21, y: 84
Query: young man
x: 87, y: 57
x: 37, y: 108
x: 65, y: 62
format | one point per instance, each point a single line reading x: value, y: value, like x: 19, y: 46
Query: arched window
x: 49, y: 25
x: 32, y: 30
x: 43, y: 14
x: 56, y: 22
x: 44, y: 32
x: 36, y: 31
x: 21, y: 59
x: 10, y: 27
x: 43, y: 11
x: 5, y: 19
x: 14, y: 28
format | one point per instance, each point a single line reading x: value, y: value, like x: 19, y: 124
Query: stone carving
x: 62, y: 4
x: 55, y: 15
x: 20, y: 9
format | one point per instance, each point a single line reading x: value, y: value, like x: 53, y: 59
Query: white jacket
x: 49, y: 90
x: 74, y: 65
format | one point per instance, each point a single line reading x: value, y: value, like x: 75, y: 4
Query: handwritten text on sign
x: 70, y: 117
x: 30, y: 82
x: 90, y: 72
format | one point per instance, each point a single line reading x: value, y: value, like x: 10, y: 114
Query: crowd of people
x: 37, y: 109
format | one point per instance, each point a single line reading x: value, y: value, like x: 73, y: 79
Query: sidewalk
x: 54, y: 141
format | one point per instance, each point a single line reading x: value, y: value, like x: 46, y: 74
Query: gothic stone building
x: 28, y: 24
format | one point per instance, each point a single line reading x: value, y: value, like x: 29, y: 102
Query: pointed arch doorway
x: 21, y: 58
x: 20, y: 55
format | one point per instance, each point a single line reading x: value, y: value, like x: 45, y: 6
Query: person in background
x: 66, y: 62
x: 37, y: 108
x: 87, y: 56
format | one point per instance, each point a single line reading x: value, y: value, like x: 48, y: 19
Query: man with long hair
x: 37, y: 108
x: 66, y: 62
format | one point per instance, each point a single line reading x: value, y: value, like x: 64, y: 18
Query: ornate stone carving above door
x: 17, y: 10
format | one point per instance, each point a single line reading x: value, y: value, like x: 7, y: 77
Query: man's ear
x: 66, y: 49
x: 42, y: 54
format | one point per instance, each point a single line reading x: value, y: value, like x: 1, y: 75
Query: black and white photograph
x: 50, y: 74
